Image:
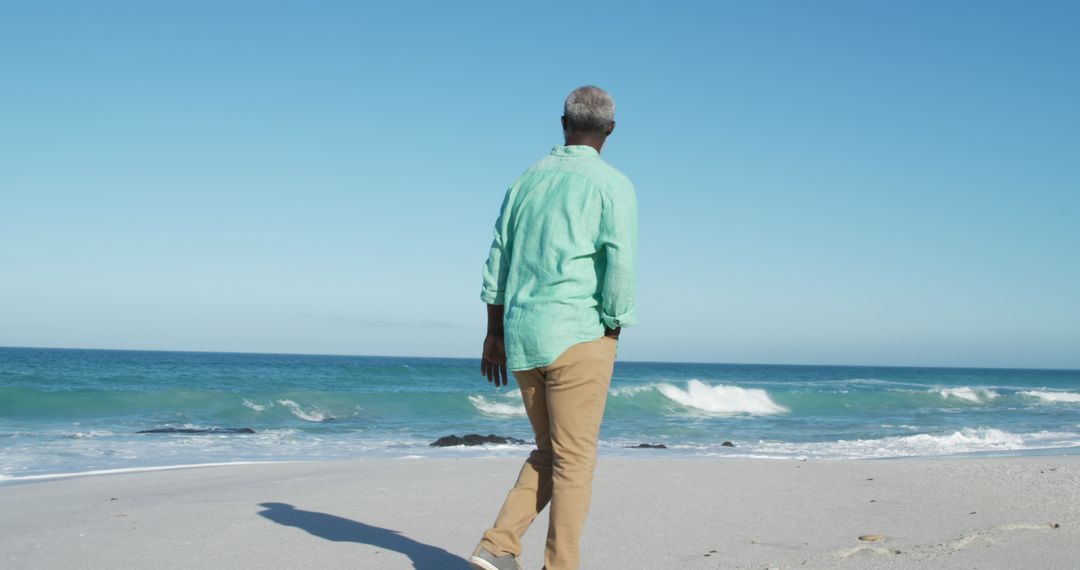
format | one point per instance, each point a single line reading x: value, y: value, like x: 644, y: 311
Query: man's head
x: 588, y: 116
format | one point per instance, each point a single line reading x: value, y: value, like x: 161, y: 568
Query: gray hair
x: 589, y: 109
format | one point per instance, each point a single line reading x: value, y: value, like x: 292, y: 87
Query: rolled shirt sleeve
x: 498, y: 261
x: 618, y: 241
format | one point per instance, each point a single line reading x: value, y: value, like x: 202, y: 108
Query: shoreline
x: 640, y: 455
x: 985, y: 512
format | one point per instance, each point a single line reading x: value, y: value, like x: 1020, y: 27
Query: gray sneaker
x: 484, y: 560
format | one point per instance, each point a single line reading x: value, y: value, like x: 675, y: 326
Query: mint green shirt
x: 564, y: 255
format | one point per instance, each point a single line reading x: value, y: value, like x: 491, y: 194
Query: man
x: 559, y: 287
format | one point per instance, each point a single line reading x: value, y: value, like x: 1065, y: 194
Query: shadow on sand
x: 330, y: 527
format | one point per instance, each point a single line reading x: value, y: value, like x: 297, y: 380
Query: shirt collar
x: 574, y: 150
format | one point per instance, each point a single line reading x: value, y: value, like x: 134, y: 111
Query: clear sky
x: 818, y: 182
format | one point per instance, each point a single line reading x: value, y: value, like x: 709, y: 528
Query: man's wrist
x: 494, y: 320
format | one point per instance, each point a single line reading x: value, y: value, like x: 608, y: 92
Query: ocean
x: 72, y: 411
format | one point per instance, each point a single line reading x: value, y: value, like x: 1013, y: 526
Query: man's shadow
x: 330, y: 527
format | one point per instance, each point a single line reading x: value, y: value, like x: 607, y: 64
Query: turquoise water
x: 67, y: 411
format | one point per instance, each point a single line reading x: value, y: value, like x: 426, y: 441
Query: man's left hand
x: 493, y: 362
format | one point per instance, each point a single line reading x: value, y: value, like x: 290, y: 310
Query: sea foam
x: 1053, y: 397
x: 631, y: 390
x: 965, y: 440
x: 85, y: 434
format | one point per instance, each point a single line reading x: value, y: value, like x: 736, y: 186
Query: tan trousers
x: 565, y: 403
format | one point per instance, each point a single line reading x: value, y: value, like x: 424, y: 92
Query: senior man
x: 559, y: 287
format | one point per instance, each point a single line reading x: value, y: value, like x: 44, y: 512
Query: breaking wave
x: 310, y: 415
x: 1053, y: 397
x: 252, y: 405
x: 968, y: 394
x: 718, y: 399
x: 497, y: 408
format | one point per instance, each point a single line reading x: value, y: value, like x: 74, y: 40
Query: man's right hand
x: 613, y: 333
x: 493, y: 361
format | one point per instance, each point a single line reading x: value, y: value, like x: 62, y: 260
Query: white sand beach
x: 1015, y: 512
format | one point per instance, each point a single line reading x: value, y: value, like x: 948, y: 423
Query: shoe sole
x: 478, y: 563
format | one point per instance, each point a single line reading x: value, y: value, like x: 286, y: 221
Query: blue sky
x: 828, y: 182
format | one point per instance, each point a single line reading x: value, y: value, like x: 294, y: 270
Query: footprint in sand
x: 987, y: 534
x: 866, y: 548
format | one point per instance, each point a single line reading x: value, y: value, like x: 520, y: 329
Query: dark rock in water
x: 647, y: 446
x: 473, y: 439
x: 197, y: 431
x: 727, y: 444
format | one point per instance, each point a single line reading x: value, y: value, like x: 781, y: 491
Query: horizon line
x: 474, y: 358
